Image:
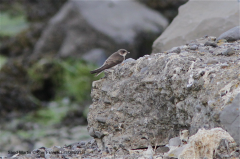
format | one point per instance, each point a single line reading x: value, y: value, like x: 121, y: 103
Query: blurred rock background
x: 48, y: 47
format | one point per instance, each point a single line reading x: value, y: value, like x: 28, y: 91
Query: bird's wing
x: 113, y: 60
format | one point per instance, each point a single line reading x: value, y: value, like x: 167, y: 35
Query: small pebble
x: 228, y: 52
x: 193, y: 47
x: 224, y: 65
x: 213, y: 44
x: 162, y: 149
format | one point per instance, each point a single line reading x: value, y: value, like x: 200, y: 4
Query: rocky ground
x: 222, y: 146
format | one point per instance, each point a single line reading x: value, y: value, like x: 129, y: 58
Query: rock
x: 228, y: 52
x: 74, y: 29
x: 101, y: 119
x: 175, y: 141
x: 205, y: 143
x: 92, y: 132
x: 229, y: 118
x: 131, y: 60
x: 149, y: 153
x: 231, y: 35
x: 201, y: 21
x: 99, y: 134
x: 155, y: 97
x: 163, y: 149
x: 208, y: 43
x: 175, y: 152
x: 193, y: 47
x: 175, y: 50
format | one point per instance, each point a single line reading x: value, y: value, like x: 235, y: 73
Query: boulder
x: 81, y: 26
x: 197, y: 19
x: 230, y: 118
x: 231, y: 35
x: 150, y: 100
x: 214, y: 143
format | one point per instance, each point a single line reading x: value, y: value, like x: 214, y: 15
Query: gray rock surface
x: 84, y: 25
x: 206, y: 18
x: 149, y: 100
x: 230, y: 118
x: 231, y: 35
x: 176, y: 141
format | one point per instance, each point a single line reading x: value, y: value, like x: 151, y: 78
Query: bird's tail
x: 99, y: 70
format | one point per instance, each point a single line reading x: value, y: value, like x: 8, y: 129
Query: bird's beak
x: 128, y: 52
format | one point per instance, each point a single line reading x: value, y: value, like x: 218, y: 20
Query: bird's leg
x: 110, y: 71
x: 112, y: 74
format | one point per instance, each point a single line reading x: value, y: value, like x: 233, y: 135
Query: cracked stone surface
x: 149, y: 100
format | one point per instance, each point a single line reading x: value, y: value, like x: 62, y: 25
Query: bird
x: 116, y: 58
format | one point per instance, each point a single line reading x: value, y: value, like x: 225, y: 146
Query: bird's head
x: 123, y: 52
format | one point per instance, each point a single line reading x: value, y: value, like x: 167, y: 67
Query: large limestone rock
x: 149, y: 100
x: 81, y: 26
x: 209, y: 144
x: 197, y: 19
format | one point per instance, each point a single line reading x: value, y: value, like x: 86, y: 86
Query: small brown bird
x: 116, y: 58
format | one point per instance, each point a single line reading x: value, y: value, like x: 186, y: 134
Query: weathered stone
x: 153, y: 98
x: 101, y: 119
x: 92, y: 132
x: 230, y: 118
x: 230, y: 35
x: 206, y: 142
x: 213, y: 44
x: 99, y: 134
x: 193, y: 47
x: 228, y: 52
x: 196, y: 19
x: 176, y: 141
x: 162, y: 149
x: 175, y: 50
x: 174, y: 152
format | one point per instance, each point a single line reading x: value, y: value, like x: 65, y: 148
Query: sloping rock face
x: 230, y: 118
x: 206, y: 18
x: 84, y: 25
x: 149, y: 100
